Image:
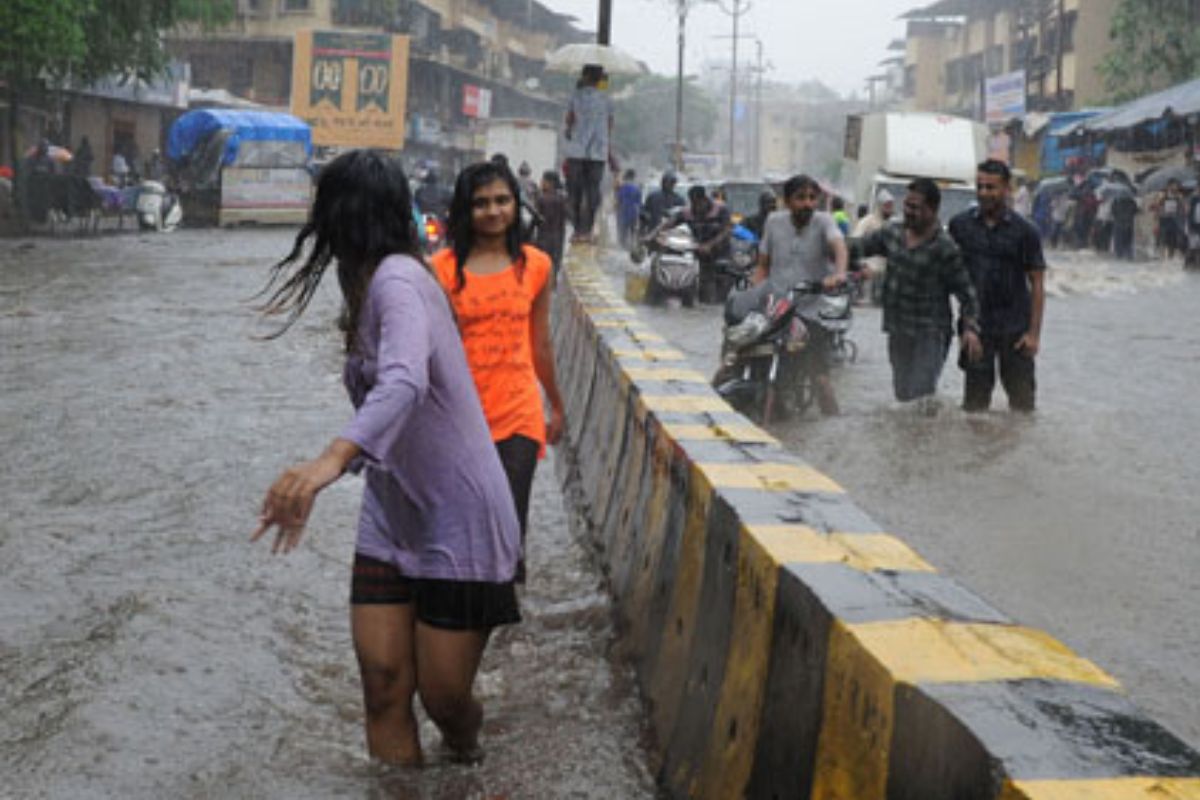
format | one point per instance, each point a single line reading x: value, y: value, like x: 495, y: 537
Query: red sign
x: 477, y: 102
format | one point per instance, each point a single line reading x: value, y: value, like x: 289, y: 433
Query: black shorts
x: 449, y: 605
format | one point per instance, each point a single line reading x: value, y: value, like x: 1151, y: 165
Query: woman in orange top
x: 500, y: 290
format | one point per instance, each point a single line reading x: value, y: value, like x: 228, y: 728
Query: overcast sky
x: 840, y: 42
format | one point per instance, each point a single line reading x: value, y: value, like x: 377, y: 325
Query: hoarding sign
x: 352, y: 88
x: 477, y: 102
x: 1004, y: 97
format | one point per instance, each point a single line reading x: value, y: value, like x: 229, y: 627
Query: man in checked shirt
x: 924, y: 269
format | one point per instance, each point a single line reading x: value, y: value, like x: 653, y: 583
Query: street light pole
x: 682, y: 6
x: 604, y: 25
x: 738, y: 8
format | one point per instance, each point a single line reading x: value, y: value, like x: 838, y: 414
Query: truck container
x: 888, y: 150
x: 534, y: 142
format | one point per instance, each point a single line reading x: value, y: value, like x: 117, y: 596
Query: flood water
x: 147, y: 649
x: 1083, y: 519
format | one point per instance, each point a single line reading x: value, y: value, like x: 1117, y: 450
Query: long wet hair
x: 459, y: 228
x: 362, y: 214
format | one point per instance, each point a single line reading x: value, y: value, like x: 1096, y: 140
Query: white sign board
x: 1004, y: 97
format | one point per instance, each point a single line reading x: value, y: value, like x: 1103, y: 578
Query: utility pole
x: 736, y: 9
x: 604, y: 25
x: 758, y: 111
x: 677, y: 151
x: 1062, y: 40
x: 754, y: 145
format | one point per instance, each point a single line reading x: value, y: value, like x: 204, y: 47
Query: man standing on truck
x: 924, y: 268
x: 799, y: 245
x: 1003, y: 253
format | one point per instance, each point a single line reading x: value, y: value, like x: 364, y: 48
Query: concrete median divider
x: 787, y: 647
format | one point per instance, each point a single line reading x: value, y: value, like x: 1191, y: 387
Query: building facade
x: 954, y: 46
x: 458, y: 49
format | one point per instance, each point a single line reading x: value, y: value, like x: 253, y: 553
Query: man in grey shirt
x: 589, y: 125
x: 801, y: 244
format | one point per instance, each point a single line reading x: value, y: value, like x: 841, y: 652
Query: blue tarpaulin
x: 1182, y: 100
x: 194, y: 127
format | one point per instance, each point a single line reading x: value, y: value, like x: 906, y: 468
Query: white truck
x: 534, y: 142
x: 887, y: 150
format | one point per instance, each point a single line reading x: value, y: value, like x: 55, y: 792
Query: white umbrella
x: 572, y: 58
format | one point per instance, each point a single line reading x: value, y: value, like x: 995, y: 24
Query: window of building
x: 954, y: 75
x: 910, y: 81
x: 994, y: 60
x: 292, y: 6
x: 1023, y: 52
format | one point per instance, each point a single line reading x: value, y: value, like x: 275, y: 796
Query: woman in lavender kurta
x: 438, y: 538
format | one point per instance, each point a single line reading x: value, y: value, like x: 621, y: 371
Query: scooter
x: 435, y: 233
x: 674, y: 267
x: 157, y: 208
x: 762, y: 329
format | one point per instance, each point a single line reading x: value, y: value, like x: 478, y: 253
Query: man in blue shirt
x: 629, y: 207
x: 1003, y: 253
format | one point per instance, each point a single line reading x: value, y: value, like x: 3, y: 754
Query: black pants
x: 584, y: 193
x: 1123, y: 241
x: 1016, y: 374
x: 519, y: 456
x: 917, y: 362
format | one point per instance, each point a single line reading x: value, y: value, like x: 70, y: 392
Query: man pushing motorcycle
x: 712, y: 226
x: 799, y: 245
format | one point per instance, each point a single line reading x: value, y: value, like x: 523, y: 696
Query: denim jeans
x: 917, y: 361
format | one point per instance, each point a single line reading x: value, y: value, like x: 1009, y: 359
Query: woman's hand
x: 554, y: 426
x: 290, y: 499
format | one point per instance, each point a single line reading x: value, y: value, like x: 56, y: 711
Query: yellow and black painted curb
x: 789, y: 647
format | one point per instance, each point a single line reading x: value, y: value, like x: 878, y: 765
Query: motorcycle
x: 157, y: 208
x: 674, y: 267
x: 435, y: 233
x: 762, y: 330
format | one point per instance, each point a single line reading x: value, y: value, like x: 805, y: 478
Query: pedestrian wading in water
x: 438, y: 538
x: 501, y: 293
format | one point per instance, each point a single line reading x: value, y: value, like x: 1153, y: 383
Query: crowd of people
x: 1101, y: 211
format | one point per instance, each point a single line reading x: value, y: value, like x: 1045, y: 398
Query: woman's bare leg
x: 447, y: 662
x: 384, y: 643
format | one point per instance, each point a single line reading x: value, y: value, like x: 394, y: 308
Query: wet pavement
x: 147, y: 649
x: 1084, y: 519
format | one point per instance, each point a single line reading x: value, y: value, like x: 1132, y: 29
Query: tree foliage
x: 644, y: 121
x: 88, y: 39
x: 1157, y: 42
x: 43, y: 42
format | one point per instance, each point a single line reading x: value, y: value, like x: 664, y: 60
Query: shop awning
x: 1180, y: 101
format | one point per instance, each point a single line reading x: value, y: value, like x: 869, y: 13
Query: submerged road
x: 1084, y: 519
x: 147, y: 649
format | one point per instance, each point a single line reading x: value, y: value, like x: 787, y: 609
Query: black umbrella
x: 1157, y: 180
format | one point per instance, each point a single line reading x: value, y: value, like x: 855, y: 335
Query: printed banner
x: 1004, y: 97
x: 352, y: 88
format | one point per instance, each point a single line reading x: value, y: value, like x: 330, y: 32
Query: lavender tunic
x: 437, y: 503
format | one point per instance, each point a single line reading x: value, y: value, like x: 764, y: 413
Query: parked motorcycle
x: 762, y: 330
x: 435, y: 232
x: 157, y: 208
x: 674, y: 267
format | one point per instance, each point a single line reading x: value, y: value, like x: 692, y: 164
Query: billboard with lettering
x: 1004, y: 97
x: 351, y: 88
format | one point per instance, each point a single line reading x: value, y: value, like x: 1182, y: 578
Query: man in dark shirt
x: 660, y: 203
x: 712, y: 226
x: 552, y: 206
x: 1004, y: 256
x: 924, y: 269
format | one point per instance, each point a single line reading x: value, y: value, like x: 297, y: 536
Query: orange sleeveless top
x: 495, y: 318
